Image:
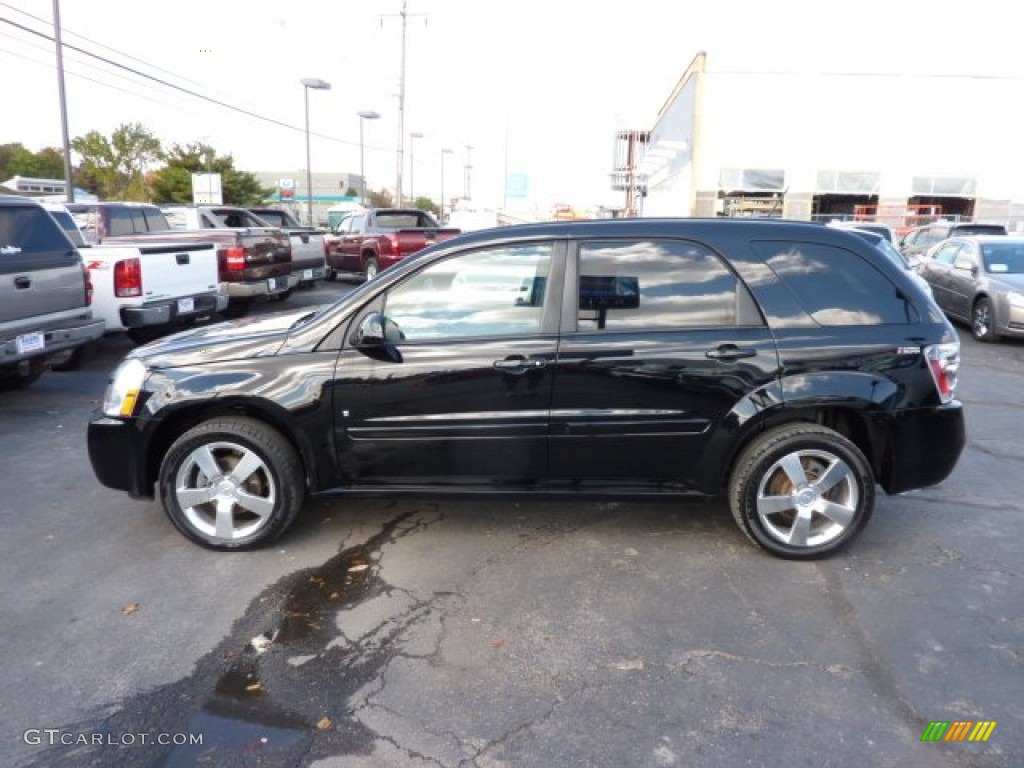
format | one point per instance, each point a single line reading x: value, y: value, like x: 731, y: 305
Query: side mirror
x: 370, y: 332
x: 376, y: 331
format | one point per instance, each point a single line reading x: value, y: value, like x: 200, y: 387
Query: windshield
x: 1003, y: 258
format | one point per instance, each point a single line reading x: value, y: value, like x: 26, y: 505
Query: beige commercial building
x: 899, y: 148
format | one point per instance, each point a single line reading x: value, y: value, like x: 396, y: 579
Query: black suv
x: 785, y: 365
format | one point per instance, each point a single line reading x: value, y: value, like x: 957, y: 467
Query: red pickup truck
x: 368, y: 241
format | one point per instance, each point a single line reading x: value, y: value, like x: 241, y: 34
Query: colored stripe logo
x: 958, y: 730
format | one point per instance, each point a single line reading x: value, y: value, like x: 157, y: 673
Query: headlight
x: 123, y: 390
x: 1015, y: 299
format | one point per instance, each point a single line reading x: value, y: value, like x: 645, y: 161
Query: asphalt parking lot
x: 502, y: 633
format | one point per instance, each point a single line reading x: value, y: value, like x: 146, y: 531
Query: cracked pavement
x: 485, y: 634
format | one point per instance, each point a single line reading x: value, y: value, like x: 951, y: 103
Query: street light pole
x: 443, y: 153
x: 412, y: 173
x: 320, y: 85
x: 363, y: 117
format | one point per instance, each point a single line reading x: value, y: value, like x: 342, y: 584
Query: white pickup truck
x: 151, y: 289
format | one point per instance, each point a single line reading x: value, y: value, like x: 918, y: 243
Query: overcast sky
x: 537, y: 86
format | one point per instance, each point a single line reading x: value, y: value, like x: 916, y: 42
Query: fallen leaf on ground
x: 358, y: 568
x: 499, y: 643
x: 129, y: 608
x: 324, y: 723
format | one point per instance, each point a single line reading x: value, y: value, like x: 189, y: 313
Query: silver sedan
x: 980, y: 280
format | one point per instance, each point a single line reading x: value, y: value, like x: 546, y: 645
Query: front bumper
x: 54, y: 340
x: 117, y: 454
x: 924, y: 447
x: 172, y: 311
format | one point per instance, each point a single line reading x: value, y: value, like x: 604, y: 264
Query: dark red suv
x: 789, y: 367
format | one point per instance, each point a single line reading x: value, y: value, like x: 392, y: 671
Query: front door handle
x: 21, y: 282
x: 730, y: 352
x: 518, y: 363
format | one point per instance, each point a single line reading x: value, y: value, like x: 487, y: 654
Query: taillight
x: 128, y: 278
x: 944, y: 362
x: 393, y: 240
x: 88, y: 286
x: 235, y: 257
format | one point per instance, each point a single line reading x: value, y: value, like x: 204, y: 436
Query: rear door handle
x: 730, y: 352
x: 182, y: 258
x: 21, y: 282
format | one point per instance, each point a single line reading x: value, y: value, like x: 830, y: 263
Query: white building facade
x: 897, y: 148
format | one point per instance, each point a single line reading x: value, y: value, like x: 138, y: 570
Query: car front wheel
x: 232, y: 483
x: 801, y: 491
x: 983, y: 321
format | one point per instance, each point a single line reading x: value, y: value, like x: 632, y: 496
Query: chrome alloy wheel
x: 807, y: 498
x: 225, y: 490
x: 981, y: 320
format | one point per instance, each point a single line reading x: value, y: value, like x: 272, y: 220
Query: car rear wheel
x: 801, y: 491
x: 21, y: 375
x: 232, y: 483
x: 983, y: 321
x: 371, y: 268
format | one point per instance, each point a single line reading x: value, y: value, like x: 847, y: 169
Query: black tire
x: 73, y: 359
x: 13, y: 377
x: 273, y: 485
x: 370, y: 268
x: 283, y: 294
x: 983, y: 321
x: 330, y: 275
x: 145, y: 335
x: 236, y: 308
x: 804, y: 521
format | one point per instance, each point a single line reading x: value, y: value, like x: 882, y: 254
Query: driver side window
x: 497, y: 291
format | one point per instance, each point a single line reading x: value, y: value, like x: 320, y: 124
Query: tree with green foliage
x: 173, y: 182
x: 17, y: 160
x: 115, y: 168
x: 425, y: 204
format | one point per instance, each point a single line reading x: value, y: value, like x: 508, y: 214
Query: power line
x: 187, y: 91
x: 49, y: 22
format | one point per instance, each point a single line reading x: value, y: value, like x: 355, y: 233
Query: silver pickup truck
x: 45, y: 293
x: 309, y: 244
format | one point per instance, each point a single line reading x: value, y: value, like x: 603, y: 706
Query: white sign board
x: 206, y: 189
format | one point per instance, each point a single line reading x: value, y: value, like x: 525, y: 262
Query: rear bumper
x: 270, y: 286
x: 306, y: 275
x: 172, y: 311
x: 54, y: 340
x: 117, y: 454
x: 924, y: 447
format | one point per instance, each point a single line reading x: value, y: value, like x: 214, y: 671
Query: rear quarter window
x: 835, y: 286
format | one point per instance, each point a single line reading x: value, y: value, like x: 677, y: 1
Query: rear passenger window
x: 649, y: 284
x: 26, y: 230
x: 836, y: 286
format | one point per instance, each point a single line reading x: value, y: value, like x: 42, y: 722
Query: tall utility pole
x: 469, y: 168
x: 69, y: 182
x: 401, y: 114
x: 401, y: 107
